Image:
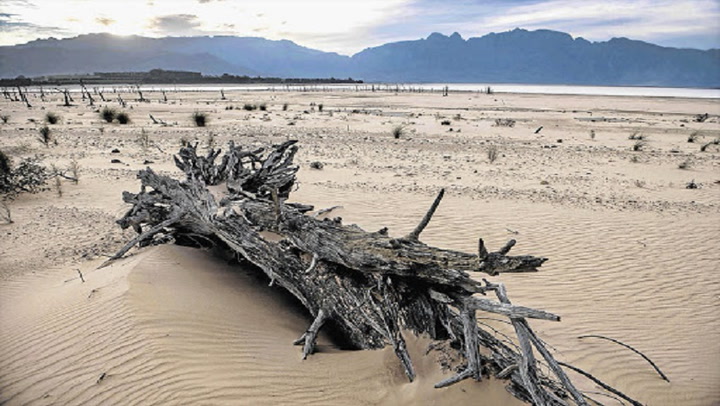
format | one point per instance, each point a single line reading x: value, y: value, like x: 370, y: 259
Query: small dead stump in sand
x: 704, y: 148
x: 504, y: 122
x: 700, y: 118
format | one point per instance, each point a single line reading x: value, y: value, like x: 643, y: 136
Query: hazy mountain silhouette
x: 517, y: 56
x: 209, y: 55
x: 542, y: 56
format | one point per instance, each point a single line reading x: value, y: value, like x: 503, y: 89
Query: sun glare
x: 273, y: 19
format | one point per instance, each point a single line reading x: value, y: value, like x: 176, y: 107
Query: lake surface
x: 430, y: 87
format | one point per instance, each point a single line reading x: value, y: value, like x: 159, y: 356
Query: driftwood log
x: 368, y: 287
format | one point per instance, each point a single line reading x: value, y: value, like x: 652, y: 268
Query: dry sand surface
x: 633, y: 253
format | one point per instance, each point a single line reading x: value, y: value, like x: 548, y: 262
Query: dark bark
x: 371, y: 286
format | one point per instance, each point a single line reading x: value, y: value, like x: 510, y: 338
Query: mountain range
x: 517, y: 56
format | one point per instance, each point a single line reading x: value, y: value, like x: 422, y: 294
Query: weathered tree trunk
x: 86, y: 92
x: 372, y: 287
x: 24, y: 98
x: 66, y: 95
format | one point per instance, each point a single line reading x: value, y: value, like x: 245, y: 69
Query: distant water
x: 477, y: 87
x: 586, y: 90
x: 438, y: 87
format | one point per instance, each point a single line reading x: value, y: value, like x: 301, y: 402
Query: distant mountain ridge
x: 543, y: 57
x: 517, y: 56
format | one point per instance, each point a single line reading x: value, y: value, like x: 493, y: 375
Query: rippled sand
x: 633, y: 254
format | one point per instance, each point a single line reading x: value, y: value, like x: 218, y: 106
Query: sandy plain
x: 633, y: 252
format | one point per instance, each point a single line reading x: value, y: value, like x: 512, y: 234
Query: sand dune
x: 633, y: 253
x: 175, y: 326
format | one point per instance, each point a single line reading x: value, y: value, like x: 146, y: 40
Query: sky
x: 348, y: 26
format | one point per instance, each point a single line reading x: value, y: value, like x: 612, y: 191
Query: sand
x: 633, y: 253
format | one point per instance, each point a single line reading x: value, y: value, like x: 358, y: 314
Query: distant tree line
x: 158, y: 76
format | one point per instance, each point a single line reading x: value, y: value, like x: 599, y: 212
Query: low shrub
x: 504, y: 122
x: 45, y: 135
x: 108, y: 114
x: 200, y: 119
x: 123, y: 117
x: 27, y: 177
x: 639, y: 145
x: 52, y: 118
x: 492, y: 153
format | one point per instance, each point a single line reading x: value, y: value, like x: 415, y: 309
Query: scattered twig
x: 662, y: 375
x: 326, y: 210
x: 604, y: 394
x: 602, y: 384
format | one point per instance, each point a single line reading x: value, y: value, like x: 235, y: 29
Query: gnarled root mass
x: 370, y: 286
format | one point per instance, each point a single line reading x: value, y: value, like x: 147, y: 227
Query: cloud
x: 344, y: 27
x: 175, y: 24
x: 658, y: 21
x: 24, y: 3
x: 350, y: 26
x: 13, y: 28
x: 654, y: 21
x: 105, y: 21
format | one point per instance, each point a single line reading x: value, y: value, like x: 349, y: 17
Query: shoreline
x: 418, y: 88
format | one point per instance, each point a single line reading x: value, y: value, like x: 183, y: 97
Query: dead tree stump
x: 373, y: 287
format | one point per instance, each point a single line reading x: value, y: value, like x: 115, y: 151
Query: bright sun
x: 273, y: 19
